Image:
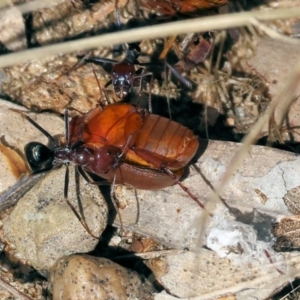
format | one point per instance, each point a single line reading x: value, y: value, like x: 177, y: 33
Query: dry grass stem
x: 286, y: 94
x: 274, y: 34
x: 18, y: 295
x: 162, y: 30
x: 29, y: 6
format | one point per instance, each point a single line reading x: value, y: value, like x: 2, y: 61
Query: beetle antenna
x: 43, y: 131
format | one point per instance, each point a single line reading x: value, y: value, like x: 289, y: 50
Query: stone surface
x: 239, y: 233
x: 12, y: 30
x: 16, y: 132
x: 85, y: 277
x: 42, y: 226
x: 273, y: 61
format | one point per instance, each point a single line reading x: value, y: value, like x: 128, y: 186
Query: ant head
x: 122, y: 76
x: 39, y: 156
x: 121, y: 88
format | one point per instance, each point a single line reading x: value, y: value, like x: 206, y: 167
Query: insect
x: 121, y: 143
x: 123, y: 73
x: 199, y: 48
x: 193, y: 50
x: 172, y: 7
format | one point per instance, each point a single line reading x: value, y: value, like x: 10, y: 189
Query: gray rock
x: 85, y: 277
x: 43, y: 227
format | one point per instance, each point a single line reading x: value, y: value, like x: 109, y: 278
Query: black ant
x: 123, y: 73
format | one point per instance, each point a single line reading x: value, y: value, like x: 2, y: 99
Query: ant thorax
x: 92, y: 159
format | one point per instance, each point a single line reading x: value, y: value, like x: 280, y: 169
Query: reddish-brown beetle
x: 121, y: 143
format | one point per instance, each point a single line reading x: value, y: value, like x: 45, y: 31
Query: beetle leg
x: 161, y: 166
x: 126, y: 148
x: 172, y: 175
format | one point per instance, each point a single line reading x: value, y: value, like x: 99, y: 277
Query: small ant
x: 123, y: 73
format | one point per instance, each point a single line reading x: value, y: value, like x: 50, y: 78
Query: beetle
x: 121, y: 143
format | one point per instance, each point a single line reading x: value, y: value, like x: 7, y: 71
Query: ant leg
x: 112, y: 194
x: 90, y: 59
x: 102, y: 91
x: 125, y: 149
x: 42, y: 130
x: 80, y: 219
x: 184, y: 80
x: 105, y: 90
x: 150, y: 93
x: 108, y: 84
x: 75, y: 109
x: 141, y: 76
x: 114, y: 201
x: 166, y: 83
x: 99, y: 60
x: 67, y: 131
x: 88, y: 180
x: 74, y: 127
x: 80, y: 63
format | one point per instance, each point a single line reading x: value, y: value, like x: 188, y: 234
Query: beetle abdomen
x: 165, y: 140
x: 141, y: 178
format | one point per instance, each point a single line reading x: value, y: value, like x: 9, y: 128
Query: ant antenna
x: 101, y: 90
x: 43, y: 131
